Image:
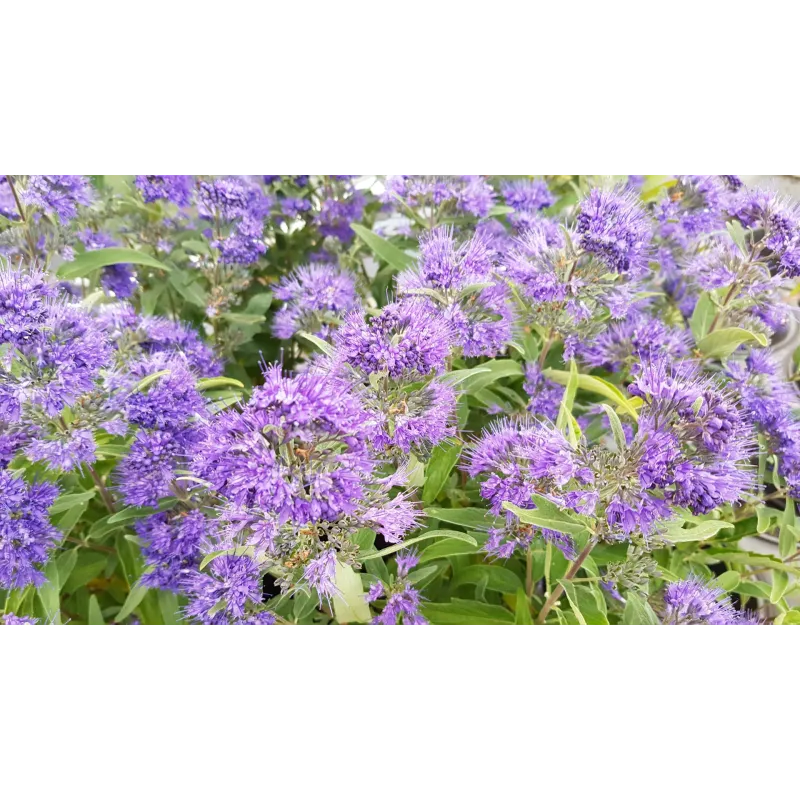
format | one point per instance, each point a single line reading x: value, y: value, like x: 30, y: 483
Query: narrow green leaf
x: 95, y: 614
x: 393, y: 256
x: 466, y: 612
x: 638, y: 611
x: 569, y: 590
x: 702, y: 316
x: 698, y: 533
x: 591, y: 383
x: 132, y: 601
x: 723, y: 342
x: 204, y: 384
x: 522, y: 614
x: 188, y: 288
x: 548, y: 519
x: 438, y: 469
x: 440, y: 534
x: 244, y: 550
x: 148, y: 380
x: 466, y: 517
x: 729, y: 580
x: 736, y: 232
x: 85, y: 263
x: 240, y: 318
x: 67, y: 501
x: 320, y: 344
x: 495, y: 577
x: 780, y: 583
x: 616, y: 428
x: 565, y: 410
x: 452, y: 547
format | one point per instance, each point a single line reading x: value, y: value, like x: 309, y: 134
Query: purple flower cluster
x: 615, y: 228
x: 26, y: 534
x: 176, y: 189
x: 402, y: 598
x: 166, y: 415
x: 172, y: 547
x: 315, y: 298
x: 297, y: 450
x: 458, y: 279
x: 236, y: 209
x: 57, y: 194
x: 770, y: 403
x: 406, y: 339
x: 341, y: 206
x: 545, y: 395
x: 693, y: 602
x: 470, y: 194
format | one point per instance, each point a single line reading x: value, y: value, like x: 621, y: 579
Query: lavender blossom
x: 26, y: 534
x: 57, y: 194
x: 614, y: 227
x: 315, y: 298
x: 176, y: 189
x: 693, y: 602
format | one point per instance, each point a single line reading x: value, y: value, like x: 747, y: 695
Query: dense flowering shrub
x: 292, y: 399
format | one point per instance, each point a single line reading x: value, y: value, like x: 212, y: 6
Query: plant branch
x: 559, y: 590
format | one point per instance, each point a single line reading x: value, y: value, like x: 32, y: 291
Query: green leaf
x: 132, y: 601
x: 138, y: 512
x: 188, y: 288
x: 789, y: 618
x: 565, y: 410
x: 393, y: 256
x: 494, y: 577
x: 729, y: 580
x: 452, y: 547
x: 438, y: 469
x: 591, y: 383
x: 551, y: 518
x: 95, y: 614
x: 89, y: 565
x: 304, y: 603
x: 723, y: 342
x: 86, y: 263
x: 320, y: 344
x: 703, y: 315
x: 170, y: 611
x: 572, y: 597
x: 754, y: 589
x: 440, y: 534
x: 522, y: 614
x: 196, y: 246
x: 423, y: 576
x: 466, y: 612
x: 497, y: 368
x: 704, y: 530
x: 466, y: 517
x: 616, y: 428
x: 243, y: 550
x: 66, y: 563
x: 787, y: 541
x: 736, y: 232
x: 351, y: 604
x: 149, y: 380
x: 638, y: 611
x: 205, y: 384
x: 780, y: 583
x: 67, y: 501
x: 458, y: 376
x: 240, y: 318
x: 653, y: 184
